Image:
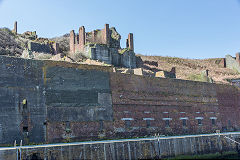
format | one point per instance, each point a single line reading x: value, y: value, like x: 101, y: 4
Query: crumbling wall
x: 103, y: 45
x: 128, y: 59
x: 102, y: 53
x: 232, y: 63
x: 38, y: 47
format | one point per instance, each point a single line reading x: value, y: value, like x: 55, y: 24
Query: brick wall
x: 142, y: 106
x: 232, y: 63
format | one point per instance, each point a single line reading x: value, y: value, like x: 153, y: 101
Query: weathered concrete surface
x: 146, y: 148
x: 21, y: 79
x: 76, y: 100
x: 232, y: 63
x: 56, y: 92
x: 38, y: 47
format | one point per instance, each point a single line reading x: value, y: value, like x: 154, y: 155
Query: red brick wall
x: 228, y: 100
x: 140, y: 97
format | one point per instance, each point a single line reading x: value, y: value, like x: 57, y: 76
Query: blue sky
x: 178, y: 28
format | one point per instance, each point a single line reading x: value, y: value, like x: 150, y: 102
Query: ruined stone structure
x: 15, y: 27
x: 35, y: 44
x: 165, y: 74
x: 103, y: 45
x: 50, y: 101
x: 232, y: 62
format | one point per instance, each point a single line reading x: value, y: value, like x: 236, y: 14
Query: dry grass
x: 8, y: 43
x: 63, y: 41
x: 186, y: 67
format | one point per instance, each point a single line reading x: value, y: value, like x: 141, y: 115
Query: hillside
x: 189, y: 68
x: 9, y: 43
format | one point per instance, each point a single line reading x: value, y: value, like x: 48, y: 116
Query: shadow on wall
x: 35, y: 156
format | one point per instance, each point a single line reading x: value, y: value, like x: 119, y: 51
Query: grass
x: 199, y: 77
x: 224, y: 155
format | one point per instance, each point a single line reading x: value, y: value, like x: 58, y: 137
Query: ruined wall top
x: 108, y: 36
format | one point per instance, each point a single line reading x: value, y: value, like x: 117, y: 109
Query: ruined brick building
x: 103, y: 45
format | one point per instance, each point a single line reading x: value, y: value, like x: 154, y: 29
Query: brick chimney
x: 82, y: 37
x: 72, y: 41
x: 238, y: 57
x: 15, y: 27
x: 130, y: 41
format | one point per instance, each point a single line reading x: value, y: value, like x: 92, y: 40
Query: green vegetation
x: 235, y: 70
x: 224, y: 155
x: 123, y: 50
x: 199, y: 77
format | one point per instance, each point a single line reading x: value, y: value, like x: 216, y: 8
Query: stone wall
x: 128, y: 59
x: 146, y: 148
x: 110, y: 55
x: 38, y: 47
x: 102, y: 53
x: 232, y: 63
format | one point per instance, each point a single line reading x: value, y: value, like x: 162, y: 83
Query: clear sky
x: 178, y: 28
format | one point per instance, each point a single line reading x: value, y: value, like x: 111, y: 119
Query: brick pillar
x: 15, y: 27
x: 72, y: 41
x: 106, y: 34
x: 130, y: 41
x: 56, y: 48
x: 238, y: 57
x: 82, y: 38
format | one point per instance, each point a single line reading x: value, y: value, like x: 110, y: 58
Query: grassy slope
x: 185, y: 68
